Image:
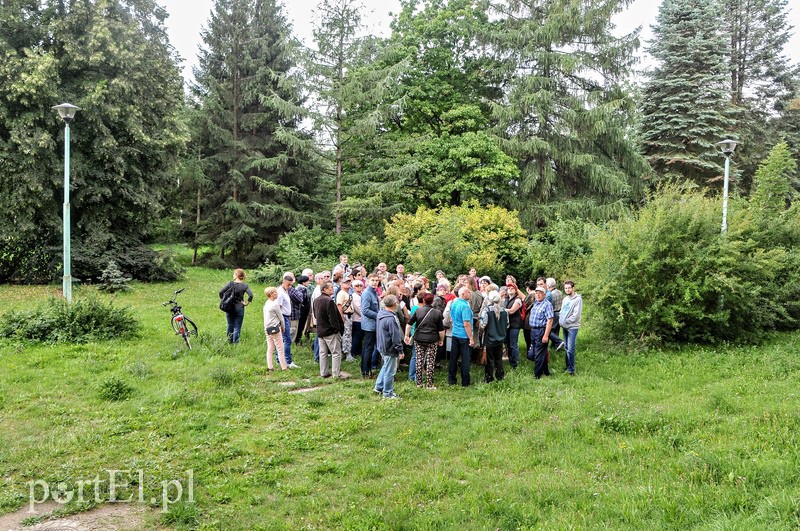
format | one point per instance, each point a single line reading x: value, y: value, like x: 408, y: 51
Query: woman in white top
x: 273, y: 327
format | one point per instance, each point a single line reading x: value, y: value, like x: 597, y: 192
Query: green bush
x: 453, y: 239
x: 115, y: 389
x: 56, y: 321
x: 669, y: 275
x: 560, y: 250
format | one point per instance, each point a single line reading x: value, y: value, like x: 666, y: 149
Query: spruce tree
x: 566, y: 115
x: 686, y: 106
x: 260, y: 161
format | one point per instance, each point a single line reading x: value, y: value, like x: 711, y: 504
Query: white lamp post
x: 67, y: 112
x: 728, y: 147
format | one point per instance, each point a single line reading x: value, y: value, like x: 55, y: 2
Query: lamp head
x: 727, y: 146
x: 66, y: 111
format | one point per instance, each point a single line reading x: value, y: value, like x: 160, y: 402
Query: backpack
x: 228, y: 302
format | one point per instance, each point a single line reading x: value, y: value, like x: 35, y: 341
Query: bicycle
x: 182, y: 325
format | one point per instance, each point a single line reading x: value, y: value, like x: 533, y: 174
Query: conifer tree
x: 686, y: 106
x: 260, y: 161
x: 566, y: 115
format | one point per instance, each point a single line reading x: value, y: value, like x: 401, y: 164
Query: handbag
x: 273, y: 330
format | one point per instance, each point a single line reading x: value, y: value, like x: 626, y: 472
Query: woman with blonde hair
x: 274, y: 327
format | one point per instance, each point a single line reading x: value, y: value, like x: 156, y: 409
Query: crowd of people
x: 383, y: 318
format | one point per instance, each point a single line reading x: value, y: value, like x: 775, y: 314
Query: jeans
x: 460, y: 348
x: 287, y: 339
x: 538, y: 353
x: 570, y: 335
x: 356, y: 344
x: 412, y: 368
x: 235, y: 320
x: 368, y: 353
x: 315, y: 346
x: 512, y: 340
x: 385, y: 382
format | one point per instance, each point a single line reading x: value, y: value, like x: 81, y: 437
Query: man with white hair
x: 463, y: 339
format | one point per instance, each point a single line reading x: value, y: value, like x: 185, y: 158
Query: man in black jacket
x: 329, y: 329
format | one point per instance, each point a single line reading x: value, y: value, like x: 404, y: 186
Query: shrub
x: 668, y: 275
x: 56, y: 321
x: 560, y: 250
x: 113, y: 279
x: 456, y: 238
x: 115, y: 389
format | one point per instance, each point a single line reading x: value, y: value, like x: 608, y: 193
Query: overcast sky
x: 187, y: 17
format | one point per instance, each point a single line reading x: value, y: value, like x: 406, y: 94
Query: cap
x: 539, y: 288
x: 485, y: 278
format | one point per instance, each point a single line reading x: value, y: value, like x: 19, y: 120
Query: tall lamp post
x: 727, y: 146
x: 67, y: 112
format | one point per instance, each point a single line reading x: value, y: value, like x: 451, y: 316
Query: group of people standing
x: 384, y: 317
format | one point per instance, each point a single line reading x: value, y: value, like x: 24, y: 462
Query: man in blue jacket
x: 390, y: 345
x: 370, y: 305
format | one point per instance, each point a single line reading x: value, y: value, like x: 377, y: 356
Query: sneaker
x: 431, y: 388
x: 293, y: 366
x: 391, y: 397
x: 326, y: 375
x: 561, y: 345
x: 350, y: 358
x: 377, y: 391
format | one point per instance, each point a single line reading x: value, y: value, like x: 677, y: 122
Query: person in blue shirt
x: 541, y: 321
x: 463, y: 339
x: 390, y: 345
x: 370, y: 305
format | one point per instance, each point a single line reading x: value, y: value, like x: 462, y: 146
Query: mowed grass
x: 698, y: 437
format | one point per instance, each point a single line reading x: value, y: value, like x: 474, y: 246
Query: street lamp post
x: 727, y: 146
x: 67, y: 112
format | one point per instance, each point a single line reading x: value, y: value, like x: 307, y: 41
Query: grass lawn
x: 698, y: 437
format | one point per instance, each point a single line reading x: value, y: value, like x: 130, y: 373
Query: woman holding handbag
x: 274, y: 327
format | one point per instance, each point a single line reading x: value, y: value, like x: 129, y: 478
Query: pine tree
x: 261, y: 163
x: 566, y: 115
x: 762, y: 79
x: 337, y: 39
x: 686, y: 106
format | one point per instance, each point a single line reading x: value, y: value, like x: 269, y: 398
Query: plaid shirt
x: 296, y: 296
x: 540, y: 313
x: 557, y: 297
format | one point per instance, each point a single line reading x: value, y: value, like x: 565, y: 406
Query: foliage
x: 260, y: 162
x: 425, y: 138
x: 115, y: 389
x: 302, y: 248
x: 124, y: 139
x: 560, y: 250
x: 372, y: 252
x: 686, y: 105
x: 668, y: 275
x: 456, y: 238
x: 55, y: 321
x: 113, y: 280
x: 566, y: 114
x: 774, y: 185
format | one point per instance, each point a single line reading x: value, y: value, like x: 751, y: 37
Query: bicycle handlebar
x: 180, y: 291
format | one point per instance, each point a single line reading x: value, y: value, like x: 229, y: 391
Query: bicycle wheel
x: 190, y: 329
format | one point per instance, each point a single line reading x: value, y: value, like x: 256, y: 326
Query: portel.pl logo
x: 113, y: 486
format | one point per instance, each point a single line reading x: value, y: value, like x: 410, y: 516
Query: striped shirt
x: 540, y: 313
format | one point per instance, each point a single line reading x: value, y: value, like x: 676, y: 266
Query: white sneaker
x: 350, y: 358
x: 293, y: 366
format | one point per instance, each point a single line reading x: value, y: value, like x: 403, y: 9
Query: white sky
x: 187, y: 17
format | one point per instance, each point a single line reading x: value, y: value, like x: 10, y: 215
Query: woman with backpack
x: 232, y: 303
